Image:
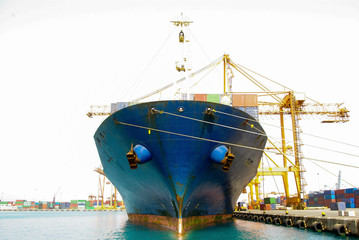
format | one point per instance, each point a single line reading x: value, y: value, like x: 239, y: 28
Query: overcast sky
x: 59, y: 57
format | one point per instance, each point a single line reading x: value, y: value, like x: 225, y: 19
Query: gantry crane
x: 280, y: 103
x: 101, y: 190
x: 54, y: 198
x: 294, y: 107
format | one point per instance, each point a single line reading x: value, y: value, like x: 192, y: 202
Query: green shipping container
x: 73, y: 201
x: 213, y: 98
x: 3, y: 202
x: 269, y: 200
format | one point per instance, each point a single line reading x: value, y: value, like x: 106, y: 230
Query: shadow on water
x: 133, y: 231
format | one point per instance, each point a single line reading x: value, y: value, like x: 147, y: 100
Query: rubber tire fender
x: 277, y: 221
x: 318, y: 226
x: 288, y: 222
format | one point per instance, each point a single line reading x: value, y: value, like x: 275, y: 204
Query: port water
x: 75, y: 225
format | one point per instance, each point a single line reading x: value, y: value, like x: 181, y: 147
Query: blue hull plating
x: 180, y: 180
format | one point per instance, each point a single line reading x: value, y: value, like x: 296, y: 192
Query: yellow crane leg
x: 285, y: 163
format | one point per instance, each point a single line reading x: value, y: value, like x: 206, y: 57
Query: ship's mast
x: 181, y: 22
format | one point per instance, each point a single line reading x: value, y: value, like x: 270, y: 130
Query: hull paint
x: 176, y: 224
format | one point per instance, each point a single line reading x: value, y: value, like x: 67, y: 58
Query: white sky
x: 59, y: 57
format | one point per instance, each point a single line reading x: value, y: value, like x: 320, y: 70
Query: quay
x: 341, y: 222
x: 61, y: 210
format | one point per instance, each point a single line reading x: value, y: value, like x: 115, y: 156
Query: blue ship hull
x: 180, y: 186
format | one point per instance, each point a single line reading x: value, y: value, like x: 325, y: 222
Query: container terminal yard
x: 72, y: 205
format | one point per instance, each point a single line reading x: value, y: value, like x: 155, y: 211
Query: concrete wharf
x: 340, y: 222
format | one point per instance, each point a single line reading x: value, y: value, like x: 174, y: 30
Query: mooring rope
x: 262, y: 133
x: 212, y: 123
x: 228, y: 143
x: 189, y: 136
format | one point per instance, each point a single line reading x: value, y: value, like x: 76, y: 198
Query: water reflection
x: 116, y: 226
x: 133, y: 230
x: 236, y: 229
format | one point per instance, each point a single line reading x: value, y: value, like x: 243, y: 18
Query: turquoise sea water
x: 115, y: 225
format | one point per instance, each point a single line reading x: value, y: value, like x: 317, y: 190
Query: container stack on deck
x: 245, y: 102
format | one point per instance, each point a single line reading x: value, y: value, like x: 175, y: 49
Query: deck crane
x: 283, y: 102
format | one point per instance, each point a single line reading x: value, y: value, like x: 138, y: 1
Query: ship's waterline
x: 179, y: 224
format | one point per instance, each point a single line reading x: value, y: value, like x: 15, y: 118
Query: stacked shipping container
x: 331, y: 198
x: 245, y: 102
x: 269, y: 204
x: 74, y: 204
x: 356, y: 198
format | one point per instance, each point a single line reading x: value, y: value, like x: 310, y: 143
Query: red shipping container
x: 200, y: 97
x: 356, y: 203
x: 327, y: 202
x: 340, y: 191
x: 238, y: 100
x: 74, y: 206
x: 349, y: 195
x: 265, y: 207
x: 244, y: 100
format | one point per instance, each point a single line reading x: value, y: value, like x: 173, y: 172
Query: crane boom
x: 280, y: 103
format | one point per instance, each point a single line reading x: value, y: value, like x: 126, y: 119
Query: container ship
x: 181, y: 163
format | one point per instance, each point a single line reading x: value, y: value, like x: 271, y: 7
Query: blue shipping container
x: 319, y: 194
x: 340, y: 195
x: 329, y: 192
x: 350, y: 190
x: 350, y: 205
x: 348, y: 200
x: 329, y: 196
